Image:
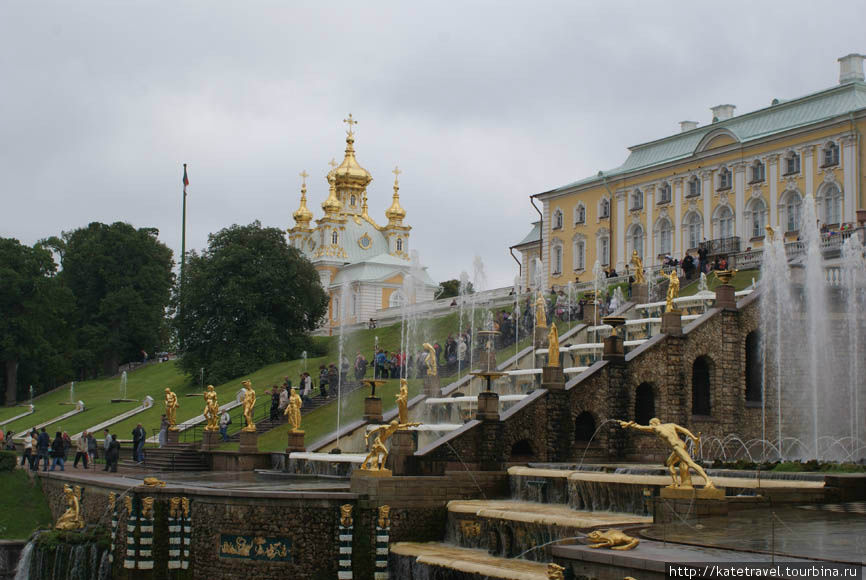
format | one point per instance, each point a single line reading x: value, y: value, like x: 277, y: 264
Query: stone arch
x: 829, y: 201
x: 723, y: 221
x: 644, y: 403
x: 790, y: 210
x: 702, y: 373
x: 693, y: 224
x: 716, y: 138
x: 584, y: 427
x: 522, y: 451
x: 635, y: 239
x: 754, y: 368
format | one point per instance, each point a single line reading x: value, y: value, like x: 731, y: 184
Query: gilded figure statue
x: 127, y: 501
x: 540, y: 310
x: 249, y: 405
x: 184, y: 502
x: 679, y: 458
x: 638, y: 268
x: 346, y: 515
x: 147, y: 508
x: 555, y: 572
x: 613, y: 539
x: 430, y: 360
x: 71, y: 518
x: 293, y: 410
x: 171, y: 409
x: 403, y: 402
x: 553, y: 346
x: 771, y: 233
x: 211, y: 409
x: 375, y: 460
x: 174, y: 507
x: 673, y: 290
x: 384, y: 516
x: 112, y: 500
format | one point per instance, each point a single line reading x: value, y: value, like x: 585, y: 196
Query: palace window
x: 724, y: 222
x: 830, y: 155
x: 759, y: 216
x: 793, y: 205
x: 635, y: 239
x: 336, y: 314
x: 579, y: 250
x: 399, y: 244
x: 557, y: 260
x: 832, y: 205
x: 604, y: 210
x: 694, y: 224
x: 694, y: 189
x: 557, y: 219
x: 580, y: 214
x: 665, y: 193
x: 335, y: 238
x: 725, y: 179
x: 792, y: 164
x: 665, y: 236
x: 604, y: 250
x: 636, y: 200
x: 759, y: 172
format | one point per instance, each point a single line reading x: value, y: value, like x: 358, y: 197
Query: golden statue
x: 375, y: 460
x: 638, y: 268
x: 346, y: 515
x: 112, y: 500
x: 184, y: 502
x: 171, y: 409
x: 147, y: 508
x: 555, y: 572
x: 128, y: 503
x: 540, y: 310
x: 553, y: 346
x: 384, y: 519
x: 679, y: 458
x: 403, y: 402
x: 613, y: 539
x: 771, y: 233
x: 174, y: 507
x: 673, y: 290
x: 71, y: 518
x: 211, y: 409
x: 249, y: 405
x: 293, y: 410
x: 153, y: 482
x: 430, y: 360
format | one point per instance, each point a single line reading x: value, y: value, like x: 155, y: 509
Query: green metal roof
x: 784, y: 116
x: 534, y: 236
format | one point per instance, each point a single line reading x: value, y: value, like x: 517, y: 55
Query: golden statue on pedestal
x: 171, y: 409
x: 71, y: 518
x: 553, y: 346
x: 430, y: 360
x: 613, y: 539
x: 293, y: 410
x: 555, y: 572
x: 403, y: 402
x: 540, y: 310
x: 679, y: 458
x: 638, y: 268
x: 375, y: 460
x: 249, y: 405
x: 211, y: 409
x: 673, y: 290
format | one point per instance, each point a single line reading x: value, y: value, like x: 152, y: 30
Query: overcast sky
x: 481, y: 104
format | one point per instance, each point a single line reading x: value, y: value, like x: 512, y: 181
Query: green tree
x: 450, y: 288
x: 247, y: 301
x: 34, y: 307
x: 121, y: 278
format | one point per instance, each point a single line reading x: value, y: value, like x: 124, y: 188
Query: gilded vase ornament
x: 171, y: 409
x: 638, y: 268
x: 346, y: 515
x: 174, y: 510
x: 153, y: 482
x: 613, y: 539
x: 553, y: 346
x: 71, y: 518
x: 679, y: 459
x: 375, y: 460
x: 293, y: 410
x: 384, y: 516
x: 673, y: 290
x: 249, y: 405
x: 555, y: 572
x: 211, y: 409
x: 403, y: 402
x: 540, y: 310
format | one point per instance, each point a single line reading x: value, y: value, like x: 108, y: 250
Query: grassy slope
x: 740, y: 281
x: 23, y: 508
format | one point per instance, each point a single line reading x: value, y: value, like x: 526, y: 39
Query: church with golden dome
x: 365, y: 267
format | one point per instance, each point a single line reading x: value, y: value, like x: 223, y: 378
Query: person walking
x: 225, y: 421
x: 34, y: 439
x: 92, y: 449
x: 138, y: 436
x: 58, y: 452
x: 113, y: 454
x: 43, y: 442
x: 163, y: 431
x: 106, y: 444
x: 81, y: 449
x: 27, y: 452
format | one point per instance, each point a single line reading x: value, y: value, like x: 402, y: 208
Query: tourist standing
x: 81, y: 449
x: 34, y: 439
x: 42, y: 445
x: 283, y: 398
x: 92, y: 449
x: 58, y: 452
x: 106, y: 445
x: 113, y: 454
x: 225, y: 421
x: 138, y: 437
x: 333, y: 377
x: 323, y: 381
x: 27, y: 452
x: 275, y: 404
x: 163, y: 431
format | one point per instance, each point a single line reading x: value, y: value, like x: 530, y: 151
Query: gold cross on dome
x: 396, y: 173
x: 332, y: 163
x: 304, y: 175
x: 350, y: 121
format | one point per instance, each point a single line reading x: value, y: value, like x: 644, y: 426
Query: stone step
x: 415, y: 561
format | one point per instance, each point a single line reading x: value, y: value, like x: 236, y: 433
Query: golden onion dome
x: 395, y: 213
x: 349, y: 169
x: 303, y: 216
x: 332, y: 205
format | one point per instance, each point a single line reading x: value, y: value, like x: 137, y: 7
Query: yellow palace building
x: 718, y: 184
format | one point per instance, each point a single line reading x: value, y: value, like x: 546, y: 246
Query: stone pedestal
x: 172, y: 437
x: 725, y: 297
x: 296, y: 441
x: 373, y: 410
x: 431, y: 386
x: 540, y: 338
x: 614, y: 349
x: 249, y: 442
x: 210, y: 440
x: 488, y: 406
x: 402, y: 448
x: 639, y: 293
x: 552, y: 378
x: 672, y: 323
x: 589, y: 311
x: 685, y: 504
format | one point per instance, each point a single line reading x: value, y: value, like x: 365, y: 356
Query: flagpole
x: 182, y: 248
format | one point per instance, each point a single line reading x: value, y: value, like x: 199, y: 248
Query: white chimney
x: 722, y: 112
x: 688, y: 126
x: 851, y: 68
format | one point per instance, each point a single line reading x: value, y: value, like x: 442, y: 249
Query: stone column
x: 672, y: 323
x: 295, y: 441
x: 249, y: 442
x: 649, y: 232
x: 620, y: 230
x: 725, y: 297
x: 739, y: 169
x: 540, y: 340
x: 850, y: 187
x: 617, y: 403
x: 808, y: 167
x: 172, y: 437
x: 488, y: 406
x: 431, y: 386
x: 707, y: 193
x: 491, y: 455
x: 639, y: 293
x: 210, y: 440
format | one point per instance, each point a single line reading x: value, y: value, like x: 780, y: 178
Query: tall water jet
x: 463, y: 292
x: 123, y: 380
x: 854, y: 287
x: 816, y: 308
x: 341, y: 313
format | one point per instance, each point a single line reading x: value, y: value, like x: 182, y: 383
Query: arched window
x: 757, y: 212
x: 793, y: 205
x: 557, y: 259
x: 352, y: 200
x: 693, y: 226
x: 832, y: 205
x: 701, y: 386
x: 759, y: 172
x: 635, y: 239
x: 664, y: 193
x: 664, y: 232
x: 724, y: 222
x: 584, y: 427
x: 791, y: 163
x: 754, y: 370
x: 580, y: 214
x: 557, y: 219
x: 725, y: 178
x: 335, y: 314
x: 830, y: 155
x: 694, y: 188
x: 644, y: 403
x: 603, y: 250
x: 355, y: 303
x: 636, y: 200
x: 399, y: 244
x: 579, y: 253
x: 604, y: 209
x: 396, y: 299
x: 334, y: 238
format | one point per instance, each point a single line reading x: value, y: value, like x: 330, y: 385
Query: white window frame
x: 335, y: 238
x: 831, y: 149
x: 604, y: 250
x: 694, y: 187
x: 793, y: 211
x: 604, y: 208
x: 636, y: 202
x: 792, y: 158
x: 557, y: 259
x: 757, y: 217
x: 759, y: 172
x: 693, y: 228
x: 579, y: 254
x: 557, y: 219
x: 399, y: 244
x: 726, y: 179
x: 665, y: 235
x: 832, y: 202
x: 665, y: 193
x: 580, y: 214
x: 635, y: 238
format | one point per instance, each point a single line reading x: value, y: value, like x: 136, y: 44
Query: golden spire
x: 395, y: 213
x: 332, y: 205
x: 349, y: 172
x: 303, y: 215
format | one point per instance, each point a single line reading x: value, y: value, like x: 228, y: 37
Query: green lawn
x: 740, y: 281
x: 23, y: 508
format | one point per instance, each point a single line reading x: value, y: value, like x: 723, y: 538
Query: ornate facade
x: 364, y: 266
x: 718, y: 184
